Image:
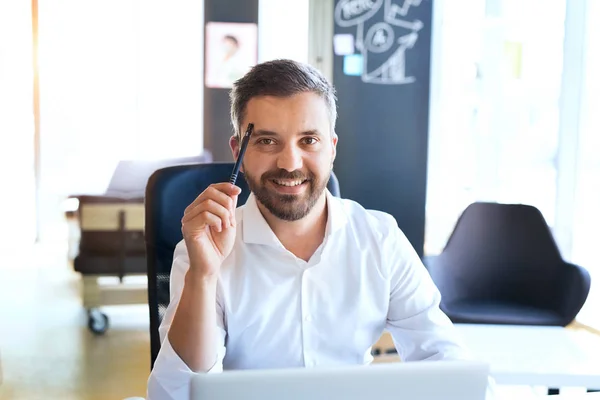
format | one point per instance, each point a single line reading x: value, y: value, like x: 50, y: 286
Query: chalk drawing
x: 381, y: 37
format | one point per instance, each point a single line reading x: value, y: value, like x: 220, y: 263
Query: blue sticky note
x: 353, y: 64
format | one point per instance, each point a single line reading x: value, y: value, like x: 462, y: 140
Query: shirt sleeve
x: 419, y: 328
x: 170, y: 378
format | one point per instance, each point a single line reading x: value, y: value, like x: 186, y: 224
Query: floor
x: 46, y: 350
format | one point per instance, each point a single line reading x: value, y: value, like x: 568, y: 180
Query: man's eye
x: 310, y: 140
x: 265, y: 141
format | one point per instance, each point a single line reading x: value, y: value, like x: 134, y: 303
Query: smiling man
x: 294, y: 277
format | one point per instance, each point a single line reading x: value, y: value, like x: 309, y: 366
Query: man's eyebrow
x: 311, y: 132
x: 263, y: 132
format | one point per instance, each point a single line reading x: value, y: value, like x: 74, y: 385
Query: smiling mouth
x: 289, y: 183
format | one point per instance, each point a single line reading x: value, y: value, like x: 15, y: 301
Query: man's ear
x: 235, y: 147
x: 334, y: 141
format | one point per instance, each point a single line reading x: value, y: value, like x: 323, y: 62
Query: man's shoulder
x: 375, y: 221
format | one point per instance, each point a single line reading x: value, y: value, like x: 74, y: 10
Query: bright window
x: 496, y: 113
x: 587, y: 196
x: 495, y: 109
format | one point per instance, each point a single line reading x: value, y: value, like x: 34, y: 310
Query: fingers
x: 211, y: 193
x: 215, y: 207
x: 209, y: 219
x: 210, y: 206
x: 202, y: 220
x: 220, y: 192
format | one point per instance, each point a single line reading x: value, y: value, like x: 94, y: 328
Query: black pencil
x: 238, y: 162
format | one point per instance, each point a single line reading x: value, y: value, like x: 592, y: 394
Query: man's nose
x: 290, y: 158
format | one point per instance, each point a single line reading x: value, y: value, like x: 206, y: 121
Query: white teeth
x: 288, y: 183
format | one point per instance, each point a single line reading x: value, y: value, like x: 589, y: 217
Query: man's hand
x: 209, y: 227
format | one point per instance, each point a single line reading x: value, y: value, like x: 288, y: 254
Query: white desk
x: 546, y: 356
x: 583, y: 396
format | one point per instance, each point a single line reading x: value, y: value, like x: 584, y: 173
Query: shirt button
x: 308, y: 318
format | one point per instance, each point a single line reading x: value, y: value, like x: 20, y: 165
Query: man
x: 231, y: 67
x: 295, y: 277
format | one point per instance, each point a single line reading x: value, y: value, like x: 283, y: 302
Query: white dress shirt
x: 275, y: 310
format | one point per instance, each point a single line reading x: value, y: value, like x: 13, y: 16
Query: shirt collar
x: 256, y: 230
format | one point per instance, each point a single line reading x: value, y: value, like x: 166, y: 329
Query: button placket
x: 305, y: 321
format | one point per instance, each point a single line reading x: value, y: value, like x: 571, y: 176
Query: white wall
x: 17, y: 185
x: 120, y: 79
x: 283, y: 30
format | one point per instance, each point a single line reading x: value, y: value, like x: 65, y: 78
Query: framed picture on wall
x: 231, y: 50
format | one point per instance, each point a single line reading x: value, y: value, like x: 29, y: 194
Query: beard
x: 288, y: 207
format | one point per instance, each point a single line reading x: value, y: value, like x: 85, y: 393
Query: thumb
x: 232, y: 217
x: 234, y: 190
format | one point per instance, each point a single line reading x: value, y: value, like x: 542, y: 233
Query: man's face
x: 229, y: 46
x: 290, y: 153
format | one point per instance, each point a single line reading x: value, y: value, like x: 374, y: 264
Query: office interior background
x: 514, y: 117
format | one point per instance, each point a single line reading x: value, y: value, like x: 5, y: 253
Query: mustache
x: 285, y: 174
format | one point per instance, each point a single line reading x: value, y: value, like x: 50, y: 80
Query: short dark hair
x: 233, y: 39
x: 280, y: 78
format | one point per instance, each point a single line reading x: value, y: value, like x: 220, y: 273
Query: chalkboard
x: 381, y: 73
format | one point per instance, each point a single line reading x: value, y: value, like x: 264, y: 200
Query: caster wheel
x: 97, y: 322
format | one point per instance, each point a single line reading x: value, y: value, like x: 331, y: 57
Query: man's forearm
x: 193, y: 331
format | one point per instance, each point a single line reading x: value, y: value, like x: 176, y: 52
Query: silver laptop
x: 423, y: 380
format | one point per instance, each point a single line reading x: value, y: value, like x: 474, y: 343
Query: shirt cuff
x: 171, y: 377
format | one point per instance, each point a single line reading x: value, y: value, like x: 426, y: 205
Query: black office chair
x: 168, y: 193
x: 501, y: 265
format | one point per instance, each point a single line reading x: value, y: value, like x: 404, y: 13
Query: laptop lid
x: 423, y: 380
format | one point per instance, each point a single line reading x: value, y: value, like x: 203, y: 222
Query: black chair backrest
x: 169, y: 191
x: 511, y: 232
x: 501, y: 251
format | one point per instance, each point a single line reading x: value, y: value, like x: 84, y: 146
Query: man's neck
x: 304, y: 236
